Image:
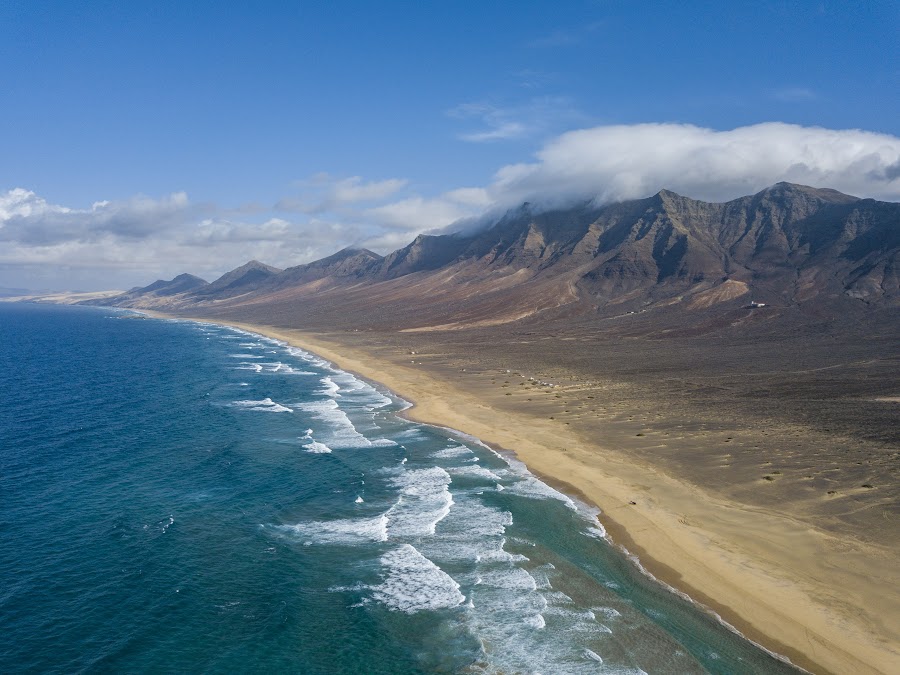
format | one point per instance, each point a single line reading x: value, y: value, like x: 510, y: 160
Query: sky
x: 146, y: 139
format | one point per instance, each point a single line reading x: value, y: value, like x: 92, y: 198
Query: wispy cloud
x: 497, y: 123
x: 531, y: 78
x: 556, y: 38
x: 793, y: 94
x: 322, y: 192
x: 499, y: 131
x: 508, y: 122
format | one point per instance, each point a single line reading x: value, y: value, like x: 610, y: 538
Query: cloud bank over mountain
x: 624, y: 162
x: 119, y: 243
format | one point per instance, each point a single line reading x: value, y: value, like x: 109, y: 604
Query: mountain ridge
x: 787, y: 245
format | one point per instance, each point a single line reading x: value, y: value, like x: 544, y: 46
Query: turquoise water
x: 177, y: 497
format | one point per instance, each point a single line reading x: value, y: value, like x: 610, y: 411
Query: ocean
x: 178, y: 496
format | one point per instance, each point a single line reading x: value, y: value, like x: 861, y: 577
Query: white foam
x: 351, y: 386
x: 379, y: 400
x: 474, y: 471
x: 500, y: 555
x: 246, y: 356
x: 597, y: 532
x: 593, y: 656
x: 250, y: 366
x: 266, y: 405
x: 358, y: 500
x: 512, y: 578
x: 411, y: 435
x: 316, y: 447
x: 339, y: 425
x: 532, y: 488
x: 341, y: 433
x: 310, y: 358
x: 413, y: 583
x: 330, y: 387
x: 455, y: 451
x: 282, y: 368
x: 345, y: 531
x: 475, y: 520
x: 424, y: 501
x: 536, y: 621
x: 608, y: 612
x: 349, y: 382
x: 472, y: 533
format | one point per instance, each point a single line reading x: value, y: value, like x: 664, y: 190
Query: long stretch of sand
x: 828, y: 603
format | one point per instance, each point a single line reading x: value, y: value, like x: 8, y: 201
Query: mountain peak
x: 785, y: 189
x: 240, y: 280
x: 351, y: 252
x: 256, y: 265
x: 348, y: 263
x: 181, y: 284
x: 667, y: 194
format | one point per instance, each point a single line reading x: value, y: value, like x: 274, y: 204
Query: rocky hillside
x: 238, y: 281
x: 787, y: 246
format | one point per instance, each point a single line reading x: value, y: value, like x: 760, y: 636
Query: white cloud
x: 418, y: 213
x: 470, y: 196
x: 352, y: 190
x: 21, y: 203
x: 26, y: 217
x: 322, y: 192
x: 628, y: 161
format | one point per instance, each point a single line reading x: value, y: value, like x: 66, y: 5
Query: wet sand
x: 792, y: 581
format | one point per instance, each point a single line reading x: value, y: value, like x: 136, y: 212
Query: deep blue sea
x: 186, y: 497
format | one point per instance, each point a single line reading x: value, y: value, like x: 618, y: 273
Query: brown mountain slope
x: 788, y: 246
x: 244, y: 279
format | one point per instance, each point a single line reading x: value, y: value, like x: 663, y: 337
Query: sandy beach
x: 826, y: 601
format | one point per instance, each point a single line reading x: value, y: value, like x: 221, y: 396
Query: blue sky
x: 145, y: 139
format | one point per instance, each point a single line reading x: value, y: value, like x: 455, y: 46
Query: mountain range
x: 788, y: 246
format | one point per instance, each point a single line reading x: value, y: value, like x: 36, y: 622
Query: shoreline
x: 750, y: 567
